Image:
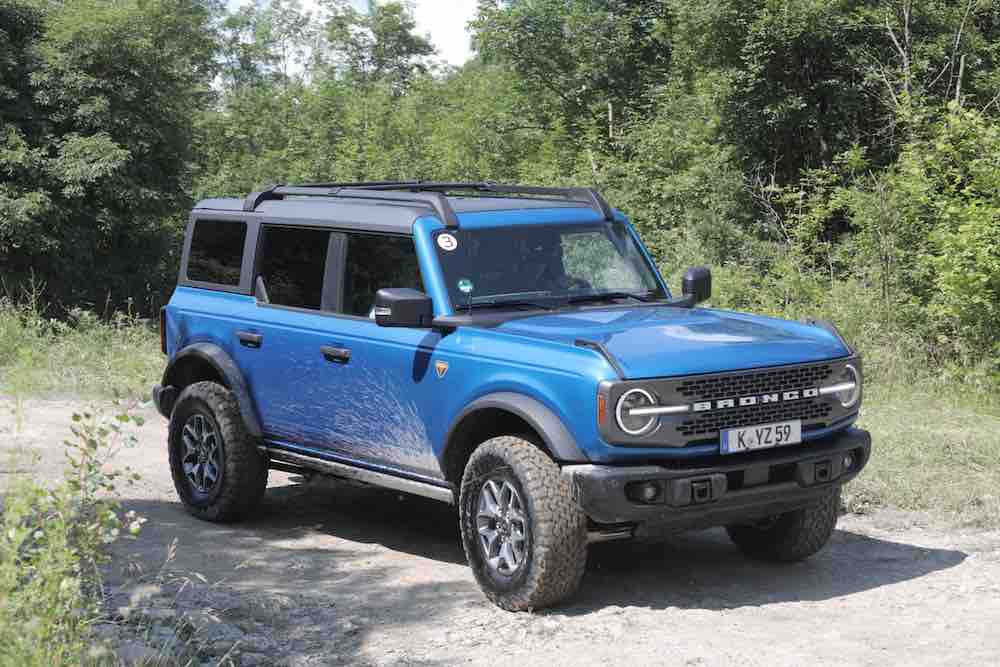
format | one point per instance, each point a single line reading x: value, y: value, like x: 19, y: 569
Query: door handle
x: 249, y: 339
x: 339, y: 355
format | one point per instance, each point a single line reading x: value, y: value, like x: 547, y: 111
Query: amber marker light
x: 602, y: 409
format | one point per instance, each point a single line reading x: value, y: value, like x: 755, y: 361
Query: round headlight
x: 631, y: 399
x: 851, y: 380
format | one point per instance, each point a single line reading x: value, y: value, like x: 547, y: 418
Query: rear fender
x: 188, y: 367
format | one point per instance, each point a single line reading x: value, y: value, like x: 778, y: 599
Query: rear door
x: 293, y: 384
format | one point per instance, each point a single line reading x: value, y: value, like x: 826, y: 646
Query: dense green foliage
x: 96, y: 141
x: 833, y: 158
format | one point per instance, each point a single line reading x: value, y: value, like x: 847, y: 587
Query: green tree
x: 378, y: 45
x: 589, y: 61
x: 811, y: 78
x: 96, y: 161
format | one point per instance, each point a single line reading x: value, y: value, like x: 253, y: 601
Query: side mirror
x: 403, y: 307
x: 696, y: 285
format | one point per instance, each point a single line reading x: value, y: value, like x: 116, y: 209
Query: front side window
x: 546, y: 264
x: 216, y: 254
x: 375, y: 261
x: 292, y: 264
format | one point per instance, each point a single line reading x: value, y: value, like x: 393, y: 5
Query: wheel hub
x: 202, y: 457
x: 502, y: 524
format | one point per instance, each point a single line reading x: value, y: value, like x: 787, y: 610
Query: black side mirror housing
x: 696, y: 286
x: 403, y: 307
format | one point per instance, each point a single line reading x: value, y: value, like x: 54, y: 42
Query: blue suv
x: 511, y: 350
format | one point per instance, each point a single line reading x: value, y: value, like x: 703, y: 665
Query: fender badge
x: 441, y: 367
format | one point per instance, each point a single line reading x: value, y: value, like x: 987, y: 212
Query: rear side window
x: 375, y: 261
x: 217, y: 252
x: 292, y: 264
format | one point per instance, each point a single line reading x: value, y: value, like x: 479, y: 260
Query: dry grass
x: 80, y: 356
x: 932, y: 451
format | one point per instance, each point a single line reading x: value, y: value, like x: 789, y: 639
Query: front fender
x: 556, y: 437
x: 179, y: 374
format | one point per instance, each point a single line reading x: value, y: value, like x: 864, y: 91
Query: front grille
x: 709, y: 424
x: 705, y: 396
x: 757, y: 382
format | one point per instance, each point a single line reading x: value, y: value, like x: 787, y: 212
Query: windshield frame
x: 545, y: 299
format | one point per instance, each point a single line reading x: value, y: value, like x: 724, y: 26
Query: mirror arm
x: 447, y: 323
x: 686, y: 301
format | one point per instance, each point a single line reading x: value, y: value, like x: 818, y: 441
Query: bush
x: 922, y: 235
x: 53, y: 542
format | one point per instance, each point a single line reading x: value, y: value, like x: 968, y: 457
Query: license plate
x: 736, y: 440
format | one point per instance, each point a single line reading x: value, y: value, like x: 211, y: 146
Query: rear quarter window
x: 217, y: 252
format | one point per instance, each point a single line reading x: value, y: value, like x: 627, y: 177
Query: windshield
x: 544, y: 265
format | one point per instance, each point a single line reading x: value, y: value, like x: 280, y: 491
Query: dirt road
x: 330, y: 574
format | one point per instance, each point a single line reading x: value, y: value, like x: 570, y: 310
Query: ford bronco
x: 511, y: 350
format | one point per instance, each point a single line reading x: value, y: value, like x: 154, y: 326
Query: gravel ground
x: 331, y: 574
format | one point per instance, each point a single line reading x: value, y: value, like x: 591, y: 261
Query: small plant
x: 53, y: 541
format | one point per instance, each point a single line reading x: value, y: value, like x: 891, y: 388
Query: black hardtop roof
x: 395, y: 206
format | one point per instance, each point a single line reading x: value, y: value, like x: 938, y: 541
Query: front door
x: 379, y: 417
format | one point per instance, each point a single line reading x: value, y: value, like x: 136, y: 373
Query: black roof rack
x: 426, y: 193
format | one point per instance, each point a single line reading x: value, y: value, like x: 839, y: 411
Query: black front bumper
x: 720, y: 491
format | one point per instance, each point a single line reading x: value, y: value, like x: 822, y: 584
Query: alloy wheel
x: 502, y: 524
x: 202, y: 458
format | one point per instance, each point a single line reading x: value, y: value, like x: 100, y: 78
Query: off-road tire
x: 556, y: 552
x: 790, y: 537
x: 243, y: 468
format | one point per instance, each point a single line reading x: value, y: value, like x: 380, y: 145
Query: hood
x: 663, y: 341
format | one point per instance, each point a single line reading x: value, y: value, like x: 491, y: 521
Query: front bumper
x: 722, y: 491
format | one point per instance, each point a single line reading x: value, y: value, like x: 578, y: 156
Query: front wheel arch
x: 506, y: 413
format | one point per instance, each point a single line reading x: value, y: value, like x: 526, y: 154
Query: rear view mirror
x: 403, y: 307
x: 696, y: 285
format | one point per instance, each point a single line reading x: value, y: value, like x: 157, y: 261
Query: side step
x: 279, y: 456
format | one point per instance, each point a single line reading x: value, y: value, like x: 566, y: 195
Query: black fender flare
x: 555, y: 436
x: 227, y: 369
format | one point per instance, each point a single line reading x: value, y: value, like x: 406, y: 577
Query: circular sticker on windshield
x: 447, y: 242
x: 465, y: 286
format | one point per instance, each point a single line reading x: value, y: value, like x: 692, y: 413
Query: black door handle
x: 340, y: 355
x: 248, y: 339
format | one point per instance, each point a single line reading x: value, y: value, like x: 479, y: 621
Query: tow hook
x: 701, y: 491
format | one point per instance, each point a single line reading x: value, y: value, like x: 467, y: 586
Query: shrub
x: 53, y: 542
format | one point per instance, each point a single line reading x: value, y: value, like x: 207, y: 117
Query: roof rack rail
x: 428, y: 193
x: 434, y: 200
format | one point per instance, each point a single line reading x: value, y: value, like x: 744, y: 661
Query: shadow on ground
x: 398, y: 560
x: 703, y: 570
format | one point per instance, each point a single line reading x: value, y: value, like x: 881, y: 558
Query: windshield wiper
x: 608, y: 296
x: 507, y: 304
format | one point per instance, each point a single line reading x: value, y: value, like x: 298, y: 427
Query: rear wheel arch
x: 202, y: 362
x: 506, y: 413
